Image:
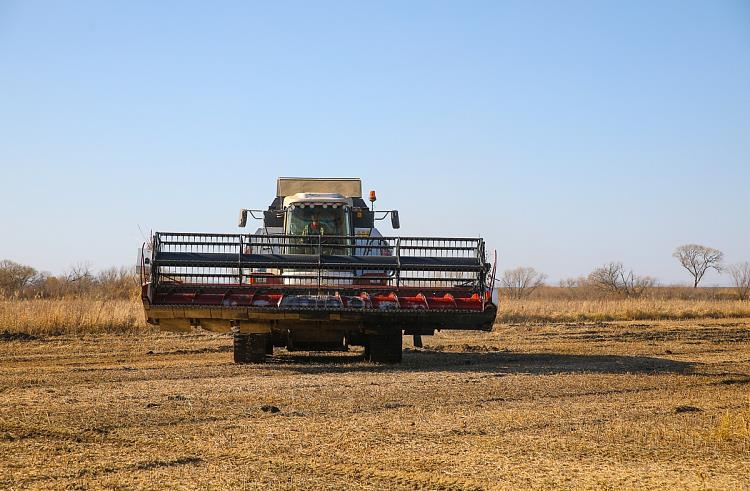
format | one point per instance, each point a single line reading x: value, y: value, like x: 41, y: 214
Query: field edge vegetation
x: 84, y: 315
x: 83, y: 302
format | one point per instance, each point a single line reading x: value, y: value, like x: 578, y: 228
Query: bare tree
x: 521, y: 282
x: 79, y: 279
x: 569, y: 283
x: 698, y: 259
x: 741, y: 278
x: 613, y: 278
x: 14, y: 277
x: 80, y: 272
x: 38, y: 286
x: 117, y: 283
x: 574, y: 287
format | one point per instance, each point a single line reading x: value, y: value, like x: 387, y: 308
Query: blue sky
x: 568, y: 134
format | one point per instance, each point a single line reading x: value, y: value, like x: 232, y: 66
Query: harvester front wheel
x: 250, y: 348
x: 384, y: 348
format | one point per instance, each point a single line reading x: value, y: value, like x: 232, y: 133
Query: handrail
x: 319, y: 261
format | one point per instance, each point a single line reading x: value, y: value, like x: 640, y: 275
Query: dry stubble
x: 578, y: 405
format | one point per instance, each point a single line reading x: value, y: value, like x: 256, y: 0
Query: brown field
x: 656, y: 404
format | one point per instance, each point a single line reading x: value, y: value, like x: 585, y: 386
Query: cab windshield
x: 318, y: 222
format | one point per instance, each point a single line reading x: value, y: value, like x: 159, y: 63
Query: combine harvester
x: 317, y: 276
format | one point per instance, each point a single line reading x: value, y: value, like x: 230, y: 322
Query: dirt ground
x: 618, y: 405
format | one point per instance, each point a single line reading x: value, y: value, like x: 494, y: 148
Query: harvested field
x: 578, y: 405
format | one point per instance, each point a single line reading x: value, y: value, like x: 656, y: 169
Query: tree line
x: 615, y: 279
x: 23, y: 282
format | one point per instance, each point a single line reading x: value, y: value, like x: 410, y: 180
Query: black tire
x: 418, y: 341
x: 240, y: 346
x: 385, y: 348
x: 368, y: 354
x: 250, y: 348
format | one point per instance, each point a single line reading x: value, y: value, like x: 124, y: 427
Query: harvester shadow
x: 498, y: 363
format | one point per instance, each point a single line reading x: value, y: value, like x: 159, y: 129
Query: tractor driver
x: 314, y: 227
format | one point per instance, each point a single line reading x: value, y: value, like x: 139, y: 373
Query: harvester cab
x: 318, y: 275
x: 299, y: 211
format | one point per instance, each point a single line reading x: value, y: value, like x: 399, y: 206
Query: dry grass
x: 578, y: 406
x: 604, y: 310
x: 735, y: 424
x: 70, y: 316
x: 588, y: 292
x: 88, y: 316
